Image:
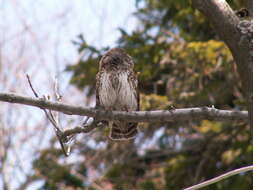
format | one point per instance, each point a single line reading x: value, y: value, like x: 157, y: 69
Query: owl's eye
x: 115, y: 60
x: 110, y: 60
x: 242, y: 13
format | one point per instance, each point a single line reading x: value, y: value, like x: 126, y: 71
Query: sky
x: 36, y: 39
x: 47, y: 27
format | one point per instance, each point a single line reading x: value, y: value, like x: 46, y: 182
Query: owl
x: 117, y: 90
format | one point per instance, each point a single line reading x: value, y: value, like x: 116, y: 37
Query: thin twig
x: 221, y: 177
x: 54, y: 122
x: 57, y: 97
x: 51, y: 118
x: 31, y: 86
x: 64, y: 140
x: 83, y: 129
x: 56, y: 90
x: 37, y: 96
x: 85, y: 121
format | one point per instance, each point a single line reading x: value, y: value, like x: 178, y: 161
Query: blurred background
x: 181, y: 62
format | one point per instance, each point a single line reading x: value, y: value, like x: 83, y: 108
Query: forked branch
x: 182, y: 114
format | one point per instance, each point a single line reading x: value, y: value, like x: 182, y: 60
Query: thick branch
x: 222, y: 18
x: 140, y: 116
x: 238, y: 35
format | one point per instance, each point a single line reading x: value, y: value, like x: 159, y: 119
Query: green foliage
x: 180, y: 62
x: 120, y: 172
x: 47, y: 166
x: 147, y: 185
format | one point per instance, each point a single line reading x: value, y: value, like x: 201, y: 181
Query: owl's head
x: 116, y: 58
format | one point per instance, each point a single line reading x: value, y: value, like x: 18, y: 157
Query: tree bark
x: 238, y: 35
x: 185, y: 114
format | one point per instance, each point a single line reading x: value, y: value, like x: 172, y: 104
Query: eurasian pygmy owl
x: 117, y: 90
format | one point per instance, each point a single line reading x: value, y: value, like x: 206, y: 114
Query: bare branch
x: 83, y: 129
x: 48, y: 115
x: 137, y: 116
x: 31, y: 86
x: 51, y: 118
x: 221, y: 177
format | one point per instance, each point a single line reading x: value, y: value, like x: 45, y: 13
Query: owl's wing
x: 133, y: 79
x: 127, y: 130
x: 138, y: 97
x: 97, y: 90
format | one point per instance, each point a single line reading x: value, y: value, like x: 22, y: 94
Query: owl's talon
x: 126, y: 109
x: 171, y: 108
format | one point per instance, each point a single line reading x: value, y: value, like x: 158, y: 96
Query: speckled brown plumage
x: 117, y: 89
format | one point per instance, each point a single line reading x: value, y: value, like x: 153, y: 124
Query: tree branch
x: 136, y: 116
x: 221, y: 177
x: 52, y: 119
x: 222, y: 18
x: 238, y: 35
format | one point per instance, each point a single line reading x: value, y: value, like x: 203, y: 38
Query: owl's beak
x: 115, y: 60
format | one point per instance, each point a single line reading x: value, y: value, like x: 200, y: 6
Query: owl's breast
x: 117, y: 92
x: 107, y: 91
x: 127, y: 95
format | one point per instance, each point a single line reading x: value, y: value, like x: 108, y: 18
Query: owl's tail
x: 123, y: 131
